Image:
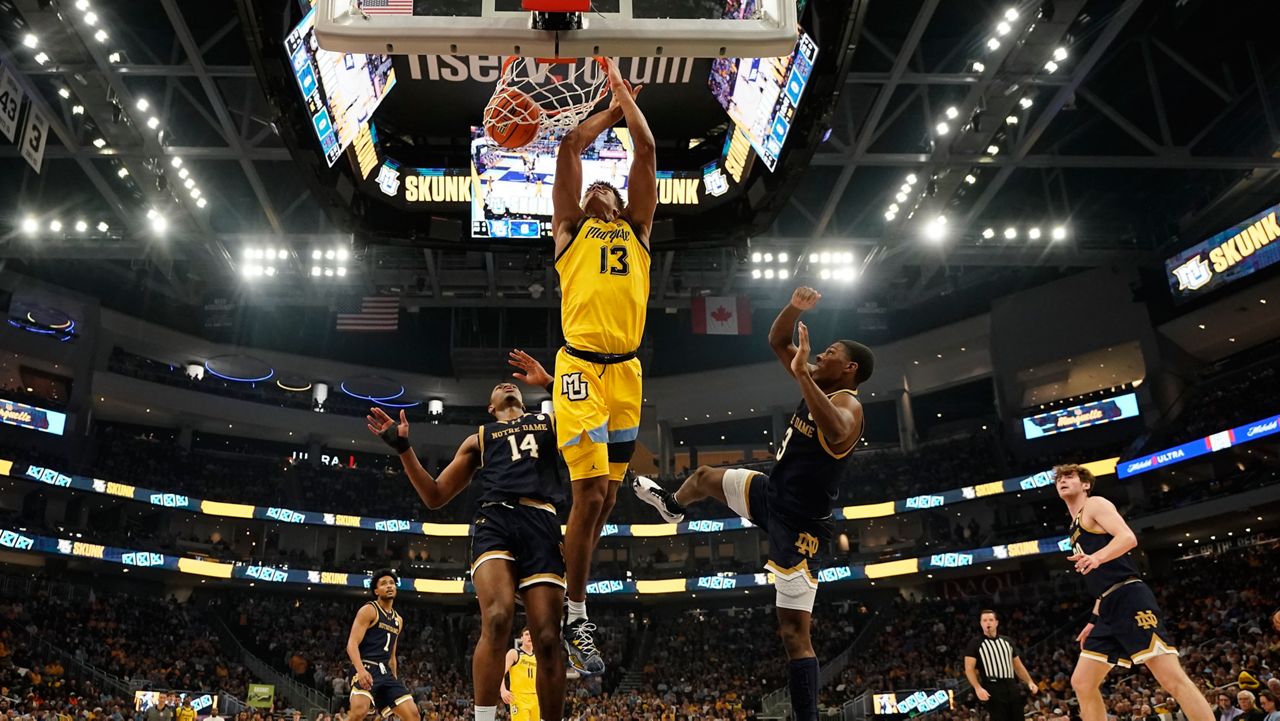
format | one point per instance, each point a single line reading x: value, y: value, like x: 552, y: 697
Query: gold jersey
x: 524, y: 675
x: 604, y: 287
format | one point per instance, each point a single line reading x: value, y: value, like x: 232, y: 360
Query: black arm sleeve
x: 971, y: 650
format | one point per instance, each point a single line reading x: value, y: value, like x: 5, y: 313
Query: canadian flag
x: 721, y: 315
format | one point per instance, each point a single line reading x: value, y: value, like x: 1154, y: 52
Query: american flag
x: 387, y: 7
x: 377, y: 313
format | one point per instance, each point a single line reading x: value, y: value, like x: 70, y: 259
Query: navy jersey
x: 1086, y: 541
x: 806, y: 479
x: 380, y: 637
x: 520, y: 459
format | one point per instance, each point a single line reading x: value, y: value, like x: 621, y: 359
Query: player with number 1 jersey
x: 516, y: 542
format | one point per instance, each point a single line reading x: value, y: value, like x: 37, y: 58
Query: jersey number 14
x: 528, y: 443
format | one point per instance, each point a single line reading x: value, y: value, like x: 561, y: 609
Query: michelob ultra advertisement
x: 1226, y: 257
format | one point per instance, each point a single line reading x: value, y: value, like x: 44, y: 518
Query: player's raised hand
x: 615, y: 95
x: 805, y: 298
x: 533, y: 372
x: 383, y: 426
x: 800, y: 361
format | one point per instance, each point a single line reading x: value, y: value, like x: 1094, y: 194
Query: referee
x: 999, y: 665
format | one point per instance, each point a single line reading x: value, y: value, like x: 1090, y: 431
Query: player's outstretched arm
x: 363, y: 620
x: 783, y: 328
x: 642, y: 181
x: 435, y: 492
x: 839, y: 418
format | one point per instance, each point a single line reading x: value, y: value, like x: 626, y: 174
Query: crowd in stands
x: 1230, y: 397
x: 1216, y: 609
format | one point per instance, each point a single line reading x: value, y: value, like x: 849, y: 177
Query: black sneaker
x: 665, y: 501
x: 581, y: 646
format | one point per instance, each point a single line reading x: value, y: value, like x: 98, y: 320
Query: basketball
x: 512, y: 119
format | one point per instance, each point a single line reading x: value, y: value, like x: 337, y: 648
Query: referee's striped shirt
x: 995, y: 657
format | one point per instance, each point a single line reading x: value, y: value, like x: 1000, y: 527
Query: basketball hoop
x: 553, y: 93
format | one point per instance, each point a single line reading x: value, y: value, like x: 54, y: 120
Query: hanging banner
x: 10, y: 103
x: 34, y: 137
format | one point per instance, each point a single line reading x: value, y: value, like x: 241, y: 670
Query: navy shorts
x: 1130, y: 628
x: 796, y: 545
x: 387, y: 692
x: 527, y: 533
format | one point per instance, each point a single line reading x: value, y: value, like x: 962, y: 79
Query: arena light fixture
x: 30, y: 225
x: 64, y: 93
x: 159, y: 224
x: 768, y: 257
x: 911, y: 179
x: 101, y: 36
x: 978, y: 66
x: 825, y: 274
x: 201, y: 202
x: 768, y: 274
x: 970, y: 178
x: 195, y: 193
x: 1034, y: 233
x: 890, y: 215
x: 993, y: 44
x: 988, y: 233
x: 936, y: 229
x: 315, y: 271
x: 1025, y: 103
x: 901, y: 197
x: 756, y: 257
x: 1051, y: 67
x: 1060, y: 54
x: 91, y: 18
x: 342, y: 272
x: 41, y: 58
x: 189, y: 183
x: 906, y: 188
x: 942, y: 128
x: 113, y: 58
x: 103, y: 227
x: 1003, y: 28
x: 1010, y: 233
x: 952, y: 113
x: 81, y: 226
x: 153, y: 122
x: 77, y: 110
x: 1011, y: 119
x: 82, y: 5
x: 30, y: 40
x: 1059, y: 233
x: 99, y: 143
x: 122, y: 173
x: 993, y: 149
x: 176, y: 161
x: 782, y: 257
x: 55, y: 225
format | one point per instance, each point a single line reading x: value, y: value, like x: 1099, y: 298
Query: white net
x: 562, y: 92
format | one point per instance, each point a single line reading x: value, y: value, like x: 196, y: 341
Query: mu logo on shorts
x: 573, y: 387
x: 1146, y: 620
x: 807, y: 544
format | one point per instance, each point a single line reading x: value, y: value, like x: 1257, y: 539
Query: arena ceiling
x: 1158, y: 124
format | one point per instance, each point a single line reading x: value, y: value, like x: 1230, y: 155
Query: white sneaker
x: 650, y: 492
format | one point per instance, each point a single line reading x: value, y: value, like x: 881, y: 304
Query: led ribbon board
x: 911, y: 703
x: 261, y: 573
x: 1081, y: 416
x: 193, y: 504
x: 33, y: 418
x: 1236, y: 252
x: 1219, y: 441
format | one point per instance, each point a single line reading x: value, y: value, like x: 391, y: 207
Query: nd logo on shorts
x: 807, y: 544
x: 1146, y: 620
x: 573, y: 387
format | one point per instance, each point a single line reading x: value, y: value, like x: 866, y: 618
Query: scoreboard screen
x: 762, y: 94
x: 341, y: 90
x: 512, y: 197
